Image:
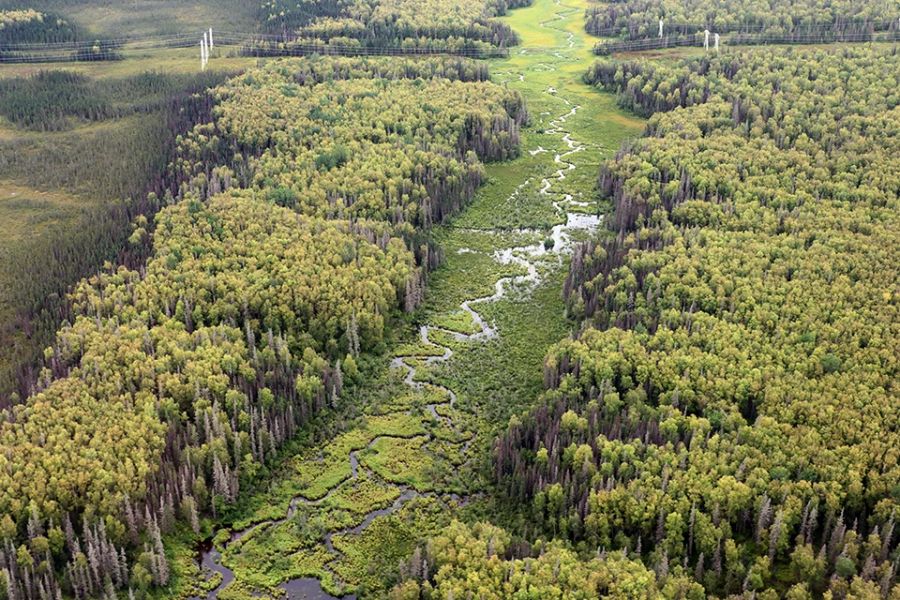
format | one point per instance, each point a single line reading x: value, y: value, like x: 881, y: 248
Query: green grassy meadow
x: 113, y: 18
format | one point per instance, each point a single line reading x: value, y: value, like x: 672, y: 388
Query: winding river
x: 559, y: 242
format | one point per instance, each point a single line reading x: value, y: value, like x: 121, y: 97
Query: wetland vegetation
x: 540, y: 326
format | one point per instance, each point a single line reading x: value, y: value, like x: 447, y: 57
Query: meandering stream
x: 527, y: 257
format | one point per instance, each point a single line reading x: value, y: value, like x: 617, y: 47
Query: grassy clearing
x: 458, y: 321
x: 470, y: 274
x: 418, y: 349
x: 508, y: 202
x: 26, y: 211
x: 67, y: 174
x: 361, y: 496
x: 113, y: 18
x: 317, y: 473
x: 403, y: 461
x: 137, y: 61
x: 286, y: 551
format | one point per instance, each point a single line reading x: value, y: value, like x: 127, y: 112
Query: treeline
x: 684, y: 85
x: 728, y: 414
x: 312, y: 71
x: 639, y: 19
x: 359, y: 158
x: 387, y: 26
x: 697, y: 40
x: 44, y: 102
x: 54, y: 100
x: 282, y: 16
x: 484, y: 561
x: 281, y: 258
x: 119, y: 161
x: 285, y: 16
x: 31, y: 26
x: 99, y: 50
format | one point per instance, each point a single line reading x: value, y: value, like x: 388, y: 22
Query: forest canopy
x: 284, y: 256
x: 472, y: 561
x: 397, y: 25
x: 637, y: 19
x: 30, y: 26
x: 730, y: 411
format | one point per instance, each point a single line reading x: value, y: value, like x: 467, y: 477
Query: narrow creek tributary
x: 559, y: 242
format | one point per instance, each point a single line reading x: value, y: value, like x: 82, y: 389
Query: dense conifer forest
x: 268, y: 275
x: 636, y: 19
x: 729, y: 413
x: 108, y: 146
x: 398, y: 25
x: 29, y: 25
x: 418, y: 326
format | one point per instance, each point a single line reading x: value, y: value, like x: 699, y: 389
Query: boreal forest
x: 446, y: 299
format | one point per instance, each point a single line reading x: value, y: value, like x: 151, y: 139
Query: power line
x: 250, y: 51
x: 92, y: 42
x: 683, y: 27
x: 229, y: 38
x: 250, y: 44
x: 263, y: 45
x: 742, y: 39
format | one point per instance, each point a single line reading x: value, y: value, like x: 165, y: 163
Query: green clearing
x: 68, y: 170
x: 171, y: 61
x: 26, y: 211
x: 424, y: 456
x: 113, y: 18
